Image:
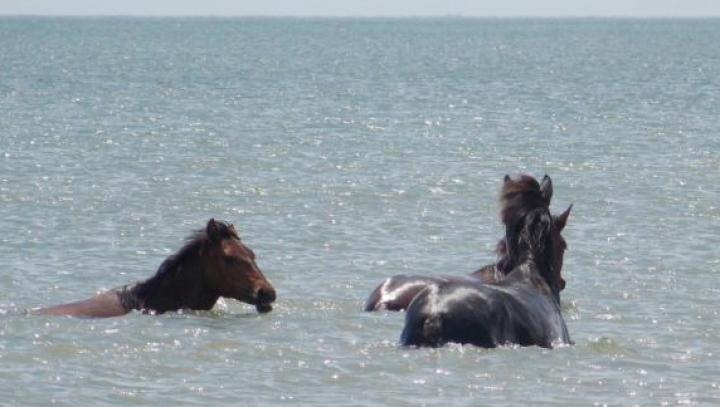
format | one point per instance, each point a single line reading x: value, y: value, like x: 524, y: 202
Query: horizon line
x: 369, y: 16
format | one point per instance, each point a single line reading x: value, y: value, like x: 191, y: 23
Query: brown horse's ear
x: 234, y: 230
x: 546, y: 189
x: 506, y: 179
x: 212, y: 229
x: 561, y: 220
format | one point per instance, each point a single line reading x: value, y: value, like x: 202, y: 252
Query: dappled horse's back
x: 395, y: 293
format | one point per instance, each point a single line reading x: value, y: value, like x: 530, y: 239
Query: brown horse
x: 524, y: 307
x: 213, y: 263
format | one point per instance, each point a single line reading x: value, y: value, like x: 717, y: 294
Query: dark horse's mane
x: 194, y: 243
x: 503, y: 261
x: 525, y: 208
x: 520, y: 195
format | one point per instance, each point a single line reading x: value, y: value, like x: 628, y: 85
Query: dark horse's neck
x: 540, y: 262
x: 178, y: 284
x: 542, y: 269
x: 545, y: 269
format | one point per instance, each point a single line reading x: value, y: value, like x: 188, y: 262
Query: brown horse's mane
x: 146, y: 290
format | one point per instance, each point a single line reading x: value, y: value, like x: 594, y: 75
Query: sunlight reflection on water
x: 347, y: 151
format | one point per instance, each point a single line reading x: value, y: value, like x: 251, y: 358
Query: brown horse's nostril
x: 265, y: 295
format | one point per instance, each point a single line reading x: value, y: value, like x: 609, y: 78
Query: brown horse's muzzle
x: 264, y: 297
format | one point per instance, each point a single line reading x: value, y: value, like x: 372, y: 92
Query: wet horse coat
x: 524, y: 307
x: 396, y: 292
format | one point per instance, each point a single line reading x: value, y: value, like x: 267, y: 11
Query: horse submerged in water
x: 523, y: 308
x: 213, y: 263
x: 396, y: 292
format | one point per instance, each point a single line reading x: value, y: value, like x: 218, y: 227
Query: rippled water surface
x: 347, y: 151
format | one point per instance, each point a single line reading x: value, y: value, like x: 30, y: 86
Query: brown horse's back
x: 103, y: 305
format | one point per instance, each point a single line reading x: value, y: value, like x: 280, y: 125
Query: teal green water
x: 347, y: 151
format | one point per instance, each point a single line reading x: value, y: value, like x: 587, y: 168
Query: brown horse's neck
x: 177, y: 285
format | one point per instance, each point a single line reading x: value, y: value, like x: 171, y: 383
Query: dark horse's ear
x: 212, y: 229
x: 561, y: 220
x: 506, y: 179
x: 546, y: 190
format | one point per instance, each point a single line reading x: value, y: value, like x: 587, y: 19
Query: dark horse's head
x: 213, y: 263
x: 531, y: 232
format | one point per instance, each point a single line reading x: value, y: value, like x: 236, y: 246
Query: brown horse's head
x: 531, y: 231
x: 230, y: 268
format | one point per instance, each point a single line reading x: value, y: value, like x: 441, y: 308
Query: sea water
x: 346, y: 151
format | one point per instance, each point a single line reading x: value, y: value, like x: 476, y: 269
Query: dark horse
x: 524, y: 307
x: 213, y: 263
